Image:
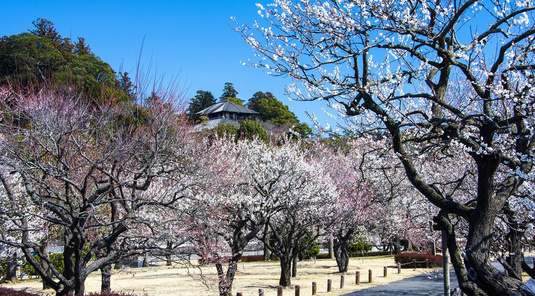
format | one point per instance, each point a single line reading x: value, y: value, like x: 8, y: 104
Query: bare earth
x: 160, y: 280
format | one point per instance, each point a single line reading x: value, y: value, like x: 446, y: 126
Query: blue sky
x: 187, y: 40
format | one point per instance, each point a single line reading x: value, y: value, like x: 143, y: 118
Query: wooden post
x: 426, y: 263
x: 342, y: 279
x: 314, y: 288
x: 370, y: 276
x: 239, y: 294
x: 329, y: 285
x: 279, y: 291
x: 385, y: 271
x: 297, y: 290
x: 357, y: 278
x: 260, y: 292
x: 399, y: 268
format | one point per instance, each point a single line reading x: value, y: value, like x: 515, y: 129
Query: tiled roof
x: 226, y: 107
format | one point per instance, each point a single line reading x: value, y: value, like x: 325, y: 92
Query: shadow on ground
x: 429, y: 284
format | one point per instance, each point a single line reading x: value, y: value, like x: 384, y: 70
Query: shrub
x: 360, y: 245
x: 56, y: 259
x: 12, y: 292
x: 3, y: 267
x: 420, y: 258
x: 312, y: 252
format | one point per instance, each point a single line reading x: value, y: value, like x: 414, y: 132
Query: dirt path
x: 159, y: 280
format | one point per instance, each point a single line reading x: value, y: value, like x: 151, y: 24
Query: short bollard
x: 279, y: 291
x: 399, y: 268
x: 297, y: 290
x: 342, y: 279
x: 414, y: 264
x: 260, y: 292
x: 329, y: 285
x: 357, y: 278
x: 426, y: 263
x: 385, y: 271
x: 239, y: 294
x: 314, y: 288
x: 370, y: 276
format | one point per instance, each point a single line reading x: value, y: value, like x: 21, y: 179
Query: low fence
x: 314, y: 291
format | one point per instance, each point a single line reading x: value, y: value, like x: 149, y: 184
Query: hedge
x: 370, y: 254
x: 256, y: 258
x: 420, y: 258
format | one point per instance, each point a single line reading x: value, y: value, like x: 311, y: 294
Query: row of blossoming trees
x: 451, y: 83
x: 119, y: 180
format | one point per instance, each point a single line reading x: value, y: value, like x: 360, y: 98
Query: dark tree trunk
x: 480, y: 235
x: 294, y: 265
x: 69, y: 269
x: 396, y: 245
x: 468, y: 287
x: 513, y: 262
x: 225, y: 280
x: 286, y: 271
x: 168, y: 256
x: 105, y: 272
x: 11, y: 270
x: 341, y: 254
x: 44, y: 250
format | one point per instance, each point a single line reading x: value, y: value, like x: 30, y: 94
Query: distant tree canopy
x: 42, y: 56
x: 271, y: 109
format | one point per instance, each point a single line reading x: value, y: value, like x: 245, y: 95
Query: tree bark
x: 225, y: 280
x: 513, y: 260
x: 145, y: 260
x: 105, y: 272
x: 294, y: 265
x: 468, y: 287
x: 265, y: 241
x: 286, y: 271
x: 168, y: 256
x: 341, y: 253
x: 396, y: 245
x: 44, y: 250
x: 480, y: 235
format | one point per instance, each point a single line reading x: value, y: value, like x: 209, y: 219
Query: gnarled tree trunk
x: 341, y: 253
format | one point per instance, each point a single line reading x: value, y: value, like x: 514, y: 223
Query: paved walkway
x: 428, y: 284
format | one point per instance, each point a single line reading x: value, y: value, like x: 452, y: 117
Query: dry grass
x: 160, y: 280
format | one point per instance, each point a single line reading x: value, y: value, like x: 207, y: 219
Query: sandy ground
x: 160, y: 280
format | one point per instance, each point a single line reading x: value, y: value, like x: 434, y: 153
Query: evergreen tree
x: 202, y: 100
x: 230, y: 94
x: 81, y: 48
x: 41, y: 57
